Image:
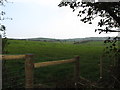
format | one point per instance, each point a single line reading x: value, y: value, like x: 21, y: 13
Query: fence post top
x: 29, y: 55
x: 76, y: 56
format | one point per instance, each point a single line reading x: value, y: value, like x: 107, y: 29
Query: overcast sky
x: 43, y: 18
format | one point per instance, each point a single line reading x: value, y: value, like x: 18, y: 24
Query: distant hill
x: 73, y: 39
x: 42, y: 39
x: 88, y: 38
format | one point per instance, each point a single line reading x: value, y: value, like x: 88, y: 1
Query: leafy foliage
x: 3, y: 27
x: 4, y: 40
x: 109, y: 13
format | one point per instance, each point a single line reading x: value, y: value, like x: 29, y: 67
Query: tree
x: 109, y: 14
x: 2, y: 27
x: 108, y: 11
x: 4, y: 38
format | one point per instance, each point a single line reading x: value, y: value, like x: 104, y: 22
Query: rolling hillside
x: 70, y: 40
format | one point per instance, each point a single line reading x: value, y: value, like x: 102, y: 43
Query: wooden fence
x: 29, y: 66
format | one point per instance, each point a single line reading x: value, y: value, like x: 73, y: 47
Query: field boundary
x: 30, y: 66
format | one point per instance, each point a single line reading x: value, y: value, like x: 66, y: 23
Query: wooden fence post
x: 29, y: 66
x: 77, y: 70
x: 101, y: 67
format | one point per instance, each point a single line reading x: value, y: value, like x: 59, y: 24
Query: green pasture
x: 89, y: 53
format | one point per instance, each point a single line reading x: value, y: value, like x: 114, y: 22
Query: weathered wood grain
x: 29, y: 71
x: 43, y: 64
x: 11, y: 57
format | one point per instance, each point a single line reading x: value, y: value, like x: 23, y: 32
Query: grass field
x: 89, y: 53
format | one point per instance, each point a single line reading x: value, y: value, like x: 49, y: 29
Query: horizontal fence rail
x: 44, y: 64
x: 29, y: 66
x: 10, y: 57
x: 11, y: 80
